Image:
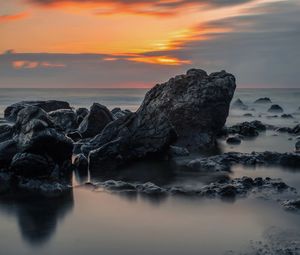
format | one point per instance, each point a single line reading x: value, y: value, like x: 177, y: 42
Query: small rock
x: 248, y: 115
x: 263, y: 100
x: 275, y: 108
x: 81, y: 162
x: 238, y: 104
x: 287, y: 116
x: 233, y: 140
x: 297, y: 147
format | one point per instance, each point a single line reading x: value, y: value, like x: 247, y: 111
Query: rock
x: 275, y: 108
x: 224, y: 161
x: 7, y: 151
x: 65, y: 119
x: 118, y: 112
x: 81, y: 114
x: 32, y: 165
x: 238, y: 104
x: 11, y: 112
x: 175, y: 151
x: 135, y: 136
x: 238, y: 187
x: 287, y: 116
x: 195, y: 103
x: 296, y: 130
x: 263, y: 100
x: 36, y: 134
x: 248, y: 115
x: 297, y: 147
x: 6, y: 132
x: 291, y: 205
x: 81, y: 163
x: 247, y: 129
x: 233, y: 140
x: 75, y: 136
x: 98, y: 117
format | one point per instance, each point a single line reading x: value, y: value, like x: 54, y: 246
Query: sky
x: 138, y: 43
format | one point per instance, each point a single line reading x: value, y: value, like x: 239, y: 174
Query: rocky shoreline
x: 43, y: 142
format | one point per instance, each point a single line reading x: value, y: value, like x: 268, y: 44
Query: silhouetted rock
x: 98, y: 117
x: 65, y: 119
x: 263, y: 100
x: 195, y: 103
x: 238, y: 104
x: 275, y: 108
x: 7, y: 151
x: 6, y: 132
x: 11, y: 112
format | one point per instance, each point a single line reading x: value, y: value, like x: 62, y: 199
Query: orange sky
x: 109, y: 27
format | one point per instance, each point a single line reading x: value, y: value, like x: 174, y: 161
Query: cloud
x: 25, y: 64
x: 13, y: 17
x: 160, y: 8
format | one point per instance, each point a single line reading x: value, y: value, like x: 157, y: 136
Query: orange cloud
x: 24, y: 64
x: 160, y: 60
x: 13, y: 17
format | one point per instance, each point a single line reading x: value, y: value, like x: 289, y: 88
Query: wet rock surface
x: 275, y: 108
x: 196, y: 104
x: 11, y: 112
x: 248, y: 129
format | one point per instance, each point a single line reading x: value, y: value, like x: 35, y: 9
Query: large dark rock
x: 98, y: 117
x: 297, y: 147
x: 11, y: 112
x: 196, y: 104
x: 81, y: 114
x: 65, y: 119
x: 135, y: 136
x: 36, y: 134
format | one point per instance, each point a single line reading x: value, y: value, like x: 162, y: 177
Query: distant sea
x: 130, y: 99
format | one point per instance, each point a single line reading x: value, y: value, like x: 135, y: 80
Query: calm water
x: 88, y: 222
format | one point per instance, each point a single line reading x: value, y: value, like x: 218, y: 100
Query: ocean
x: 98, y: 222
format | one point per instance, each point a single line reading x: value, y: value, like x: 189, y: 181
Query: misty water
x: 85, y: 221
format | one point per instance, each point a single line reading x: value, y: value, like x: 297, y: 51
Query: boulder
x: 81, y: 163
x: 263, y: 100
x: 11, y: 112
x: 287, y: 116
x: 35, y: 133
x: 196, y: 104
x: 275, y: 108
x: 98, y: 117
x: 81, y: 114
x: 65, y: 119
x: 238, y: 104
x: 132, y: 137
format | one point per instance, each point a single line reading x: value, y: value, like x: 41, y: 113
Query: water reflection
x: 37, y: 215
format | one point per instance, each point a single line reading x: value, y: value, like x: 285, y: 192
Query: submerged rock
x: 291, y: 205
x: 263, y: 100
x: 195, y: 103
x: 11, y: 112
x: 224, y: 161
x: 93, y: 123
x: 287, y: 116
x: 238, y: 187
x: 238, y: 104
x: 275, y: 108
